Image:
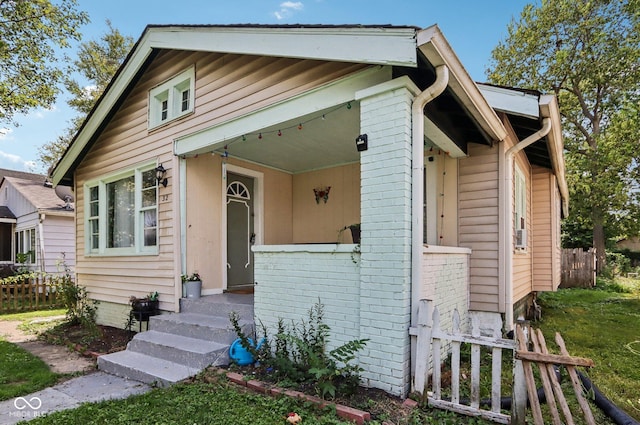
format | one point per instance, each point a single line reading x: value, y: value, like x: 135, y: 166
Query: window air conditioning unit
x: 521, y: 238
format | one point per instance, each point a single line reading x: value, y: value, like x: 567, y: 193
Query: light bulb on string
x: 279, y: 133
x: 300, y: 126
x: 260, y: 136
x: 349, y: 105
x: 244, y: 138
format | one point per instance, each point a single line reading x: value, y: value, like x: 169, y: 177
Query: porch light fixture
x: 362, y: 143
x: 160, y: 175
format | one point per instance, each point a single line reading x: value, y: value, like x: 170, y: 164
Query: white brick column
x: 385, y: 265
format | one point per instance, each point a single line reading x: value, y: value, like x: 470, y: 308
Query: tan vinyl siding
x: 522, y: 264
x: 226, y: 86
x: 546, y: 242
x: 478, y: 223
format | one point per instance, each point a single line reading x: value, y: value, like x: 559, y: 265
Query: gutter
x: 417, y: 187
x: 507, y: 223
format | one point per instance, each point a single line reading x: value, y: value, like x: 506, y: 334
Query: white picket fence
x: 434, y: 342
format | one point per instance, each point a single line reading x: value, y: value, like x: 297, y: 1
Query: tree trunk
x: 599, y: 238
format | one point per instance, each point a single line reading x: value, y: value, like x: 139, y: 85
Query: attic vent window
x: 172, y: 99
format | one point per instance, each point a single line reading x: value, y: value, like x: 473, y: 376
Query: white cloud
x: 287, y: 9
x: 17, y: 160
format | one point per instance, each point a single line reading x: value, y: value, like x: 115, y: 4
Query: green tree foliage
x: 587, y: 52
x: 97, y: 63
x: 32, y: 34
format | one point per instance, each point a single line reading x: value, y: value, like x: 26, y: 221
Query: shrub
x: 80, y: 309
x: 297, y: 355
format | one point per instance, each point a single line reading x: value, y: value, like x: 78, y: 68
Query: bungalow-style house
x: 36, y: 225
x: 241, y: 153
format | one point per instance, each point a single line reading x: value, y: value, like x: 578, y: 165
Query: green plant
x: 299, y: 355
x: 80, y: 309
x: 190, y: 277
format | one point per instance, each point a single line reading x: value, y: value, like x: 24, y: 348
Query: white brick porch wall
x: 385, y: 269
x: 445, y: 274
x: 292, y: 278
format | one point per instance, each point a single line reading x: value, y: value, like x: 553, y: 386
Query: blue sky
x: 473, y: 28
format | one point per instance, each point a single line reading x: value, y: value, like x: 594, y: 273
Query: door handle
x: 252, y: 239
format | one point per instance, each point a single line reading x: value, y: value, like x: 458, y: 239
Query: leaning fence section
x: 578, y: 268
x: 430, y: 340
x: 29, y: 293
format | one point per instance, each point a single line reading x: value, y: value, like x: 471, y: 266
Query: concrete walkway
x: 89, y: 388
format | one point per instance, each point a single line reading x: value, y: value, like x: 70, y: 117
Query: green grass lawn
x: 21, y: 372
x: 198, y: 403
x: 602, y: 324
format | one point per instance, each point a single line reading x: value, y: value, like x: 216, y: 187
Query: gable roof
x: 376, y: 45
x: 42, y: 197
x: 5, y: 172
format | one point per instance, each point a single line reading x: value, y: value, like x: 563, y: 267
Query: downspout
x: 41, y: 240
x: 417, y: 186
x: 507, y: 229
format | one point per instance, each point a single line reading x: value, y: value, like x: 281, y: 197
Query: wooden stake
x: 547, y: 376
x: 531, y: 383
x: 575, y: 381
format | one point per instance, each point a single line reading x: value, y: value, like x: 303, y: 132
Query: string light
x: 280, y: 132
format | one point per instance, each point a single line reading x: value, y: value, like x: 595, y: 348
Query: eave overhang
x: 436, y: 49
x: 382, y: 45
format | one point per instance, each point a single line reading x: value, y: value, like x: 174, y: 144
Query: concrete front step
x: 179, y: 345
x: 191, y: 352
x: 144, y: 368
x: 220, y: 305
x: 200, y: 326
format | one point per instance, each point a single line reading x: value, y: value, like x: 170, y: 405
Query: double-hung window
x: 122, y: 213
x: 26, y: 246
x: 172, y: 99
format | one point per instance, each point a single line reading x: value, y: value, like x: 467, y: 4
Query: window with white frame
x: 25, y: 246
x: 172, y: 99
x: 520, y: 225
x: 122, y: 213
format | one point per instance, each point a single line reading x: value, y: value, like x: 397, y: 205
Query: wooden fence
x: 578, y: 268
x: 430, y: 342
x: 28, y: 294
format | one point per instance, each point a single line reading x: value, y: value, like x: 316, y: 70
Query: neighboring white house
x: 36, y: 226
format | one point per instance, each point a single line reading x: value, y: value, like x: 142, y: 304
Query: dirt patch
x: 105, y: 339
x: 10, y: 332
x: 67, y: 348
x: 60, y: 359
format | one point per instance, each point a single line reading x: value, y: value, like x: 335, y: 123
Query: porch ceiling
x: 320, y: 143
